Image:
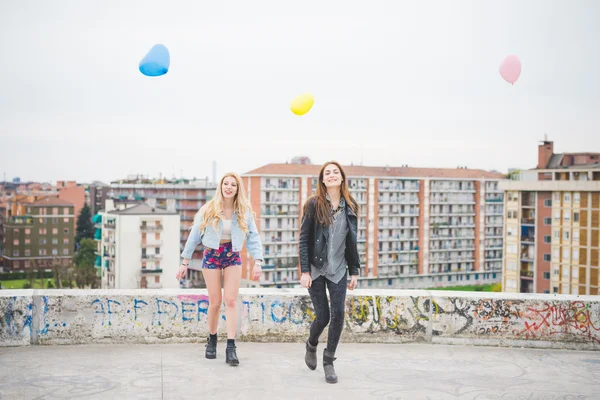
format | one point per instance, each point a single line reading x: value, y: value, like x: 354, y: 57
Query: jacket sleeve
x: 354, y: 269
x: 193, y: 240
x: 306, y: 230
x: 253, y: 242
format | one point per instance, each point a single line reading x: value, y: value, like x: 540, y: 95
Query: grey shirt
x: 335, y: 266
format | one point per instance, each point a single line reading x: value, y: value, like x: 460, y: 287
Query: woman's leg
x: 212, y: 277
x: 337, y: 295
x: 318, y: 297
x: 233, y: 277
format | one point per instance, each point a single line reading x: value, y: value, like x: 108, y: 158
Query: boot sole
x: 232, y: 363
x: 331, y: 380
x: 211, y: 357
x: 311, y: 367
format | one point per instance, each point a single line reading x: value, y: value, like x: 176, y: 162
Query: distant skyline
x: 394, y: 83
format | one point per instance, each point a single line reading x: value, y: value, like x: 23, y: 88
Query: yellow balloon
x: 302, y: 104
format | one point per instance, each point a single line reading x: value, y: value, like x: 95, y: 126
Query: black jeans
x: 337, y: 295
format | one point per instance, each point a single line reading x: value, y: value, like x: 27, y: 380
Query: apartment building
x: 445, y: 224
x: 182, y: 195
x: 38, y: 233
x: 553, y: 225
x: 138, y: 246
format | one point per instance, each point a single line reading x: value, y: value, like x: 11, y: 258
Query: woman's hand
x: 256, y: 271
x: 305, y: 280
x: 353, y: 282
x: 182, y: 271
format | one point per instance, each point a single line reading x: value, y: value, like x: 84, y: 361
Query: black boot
x: 311, y: 356
x: 328, y: 359
x: 231, y: 357
x: 211, y: 347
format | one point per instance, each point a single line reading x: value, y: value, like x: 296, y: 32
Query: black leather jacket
x: 314, y: 236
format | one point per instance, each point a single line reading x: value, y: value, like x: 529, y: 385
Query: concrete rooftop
x: 277, y: 370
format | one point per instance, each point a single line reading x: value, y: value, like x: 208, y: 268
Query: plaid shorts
x: 221, y: 258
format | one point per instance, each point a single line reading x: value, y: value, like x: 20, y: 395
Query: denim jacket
x: 211, y: 239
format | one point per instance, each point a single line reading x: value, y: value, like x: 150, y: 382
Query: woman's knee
x: 230, y: 302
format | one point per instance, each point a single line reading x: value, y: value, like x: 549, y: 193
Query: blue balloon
x: 156, y: 62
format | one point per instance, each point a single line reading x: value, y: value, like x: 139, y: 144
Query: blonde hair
x: 213, y: 209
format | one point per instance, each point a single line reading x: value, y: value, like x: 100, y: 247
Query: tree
x: 85, y: 227
x: 85, y: 272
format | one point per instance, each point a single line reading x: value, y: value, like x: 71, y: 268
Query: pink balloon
x: 510, y: 69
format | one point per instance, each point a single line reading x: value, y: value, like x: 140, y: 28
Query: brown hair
x: 322, y: 209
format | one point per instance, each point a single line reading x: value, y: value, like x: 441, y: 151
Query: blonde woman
x: 222, y: 225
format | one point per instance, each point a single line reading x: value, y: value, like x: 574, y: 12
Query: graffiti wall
x: 146, y: 316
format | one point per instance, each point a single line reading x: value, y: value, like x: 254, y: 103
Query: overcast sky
x: 394, y: 82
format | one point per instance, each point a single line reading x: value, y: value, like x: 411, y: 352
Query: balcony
x: 151, y: 256
x: 151, y: 228
x: 527, y: 221
x: 399, y: 188
x: 271, y: 213
x: 147, y: 271
x: 280, y: 188
x: 525, y: 273
x: 281, y: 201
x: 153, y: 243
x: 528, y: 239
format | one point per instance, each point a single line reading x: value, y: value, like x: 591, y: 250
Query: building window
x: 28, y: 231
x: 54, y: 252
x: 556, y: 253
x: 42, y: 231
x: 576, y: 217
x: 66, y: 211
x: 15, y: 253
x: 42, y: 241
x: 16, y: 242
x: 547, y: 221
x: 54, y: 241
x: 547, y: 239
x: 55, y: 231
x: 66, y: 231
x: 566, y: 235
x: 66, y: 241
x: 575, y: 254
x: 157, y: 279
x: 55, y: 221
x: 576, y: 197
x: 548, y: 202
x: 554, y: 289
x: 567, y: 216
x: 576, y: 235
x: 42, y: 220
x: 565, y: 254
x: 557, y: 234
x: 27, y: 241
x: 547, y: 257
x: 65, y: 252
x: 27, y: 253
x: 557, y: 197
x: 511, y: 265
x: 546, y: 275
x: 55, y: 211
x: 512, y: 249
x: 567, y: 197
x: 65, y: 219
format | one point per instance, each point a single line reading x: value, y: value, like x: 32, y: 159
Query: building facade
x: 39, y: 233
x: 553, y: 225
x: 442, y: 226
x: 138, y: 247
